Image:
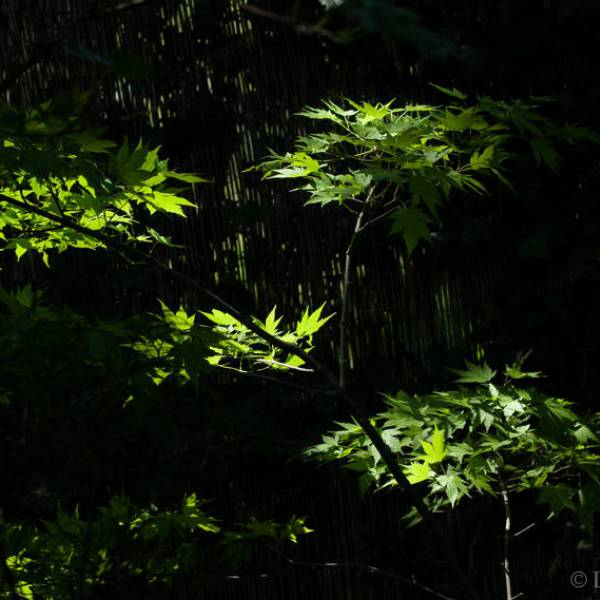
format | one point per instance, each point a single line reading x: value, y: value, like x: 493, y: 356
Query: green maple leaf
x: 435, y: 451
x: 474, y: 373
x: 557, y: 497
x: 413, y: 225
x: 453, y: 486
x: 417, y: 472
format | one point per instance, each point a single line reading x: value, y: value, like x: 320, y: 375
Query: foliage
x: 64, y: 187
x: 186, y: 349
x: 85, y: 364
x: 241, y: 349
x: 85, y: 360
x: 138, y: 351
x: 94, y: 367
x: 406, y: 161
x: 493, y: 436
x: 51, y: 161
x: 72, y: 556
x: 62, y: 371
x: 240, y: 544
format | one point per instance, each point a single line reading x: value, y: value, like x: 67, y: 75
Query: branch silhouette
x: 348, y: 400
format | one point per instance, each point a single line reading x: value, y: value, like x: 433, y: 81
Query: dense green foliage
x: 378, y: 161
x: 87, y: 512
x: 64, y: 186
x: 70, y: 556
x: 405, y: 162
x: 50, y: 160
x: 62, y: 372
x: 494, y: 435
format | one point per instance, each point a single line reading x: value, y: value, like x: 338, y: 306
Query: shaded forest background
x: 217, y: 85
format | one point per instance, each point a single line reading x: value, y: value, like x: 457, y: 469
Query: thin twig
x: 371, y: 569
x: 507, y: 536
x: 387, y: 213
x: 387, y: 456
x: 266, y: 361
x: 382, y: 193
x: 354, y: 212
x: 394, y: 198
x: 330, y: 565
x: 525, y: 529
x: 298, y: 26
x: 290, y: 384
x: 54, y: 197
x: 343, y: 359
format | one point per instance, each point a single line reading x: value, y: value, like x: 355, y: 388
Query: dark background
x: 216, y: 87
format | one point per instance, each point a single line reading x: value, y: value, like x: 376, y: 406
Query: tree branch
x: 298, y: 26
x: 331, y: 565
x: 387, y: 456
x: 290, y: 384
x: 343, y: 359
x: 371, y: 569
x: 525, y: 529
x: 387, y: 213
x: 507, y: 536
